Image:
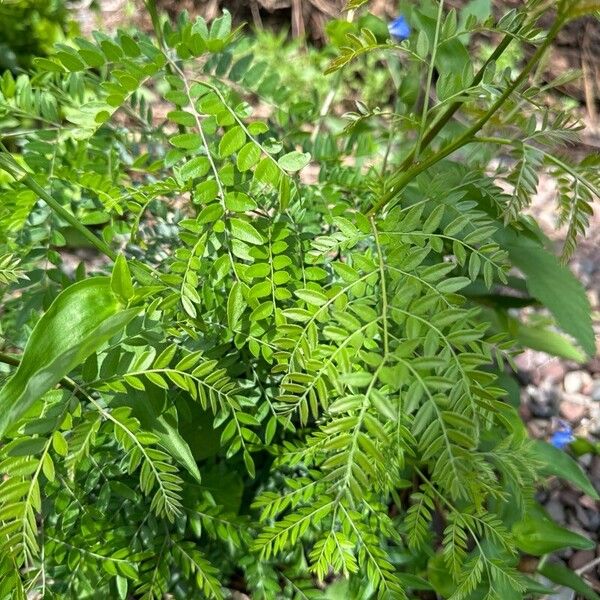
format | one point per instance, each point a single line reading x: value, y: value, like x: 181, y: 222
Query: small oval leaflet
x: 294, y: 161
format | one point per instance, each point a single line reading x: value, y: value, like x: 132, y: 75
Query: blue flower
x: 562, y: 437
x: 399, y: 28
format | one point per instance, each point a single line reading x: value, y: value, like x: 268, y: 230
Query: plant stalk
x: 400, y: 181
x: 425, y: 112
x: 10, y: 165
x: 451, y: 110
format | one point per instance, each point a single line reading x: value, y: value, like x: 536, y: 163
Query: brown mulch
x: 304, y: 18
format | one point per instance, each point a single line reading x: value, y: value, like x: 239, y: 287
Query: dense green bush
x: 280, y: 368
x: 29, y: 28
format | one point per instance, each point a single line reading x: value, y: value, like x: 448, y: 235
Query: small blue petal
x: 399, y: 28
x: 562, y: 438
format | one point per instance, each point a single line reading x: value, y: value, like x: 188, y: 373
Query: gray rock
x: 581, y: 558
x: 556, y: 510
x: 543, y: 400
x: 595, y: 393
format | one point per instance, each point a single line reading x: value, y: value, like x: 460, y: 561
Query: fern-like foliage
x: 578, y: 188
x: 307, y: 389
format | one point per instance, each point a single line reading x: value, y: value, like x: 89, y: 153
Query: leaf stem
x: 401, y: 180
x: 11, y: 166
x: 425, y: 112
x: 451, y: 110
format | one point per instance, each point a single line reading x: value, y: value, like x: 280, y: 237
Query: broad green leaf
x: 267, y: 172
x: 122, y: 586
x: 452, y: 284
x: 564, y: 576
x: 182, y: 117
x: 262, y: 311
x: 537, y: 535
x: 311, y: 296
x: 558, y: 289
x: 70, y: 61
x: 239, y: 202
x: 535, y: 587
x: 221, y: 27
x: 59, y: 443
x: 148, y: 407
x: 79, y: 321
x: 545, y: 340
x: 195, y: 167
x: 559, y: 463
x: 47, y: 64
x: 284, y: 193
x: 294, y: 161
x: 360, y: 379
x: 422, y: 47
x: 210, y: 213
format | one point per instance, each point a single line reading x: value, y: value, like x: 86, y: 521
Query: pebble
x: 594, y: 414
x: 542, y: 370
x: 595, y: 393
x: 594, y: 365
x: 562, y: 593
x: 594, y: 473
x: 538, y: 428
x: 556, y: 510
x: 588, y: 502
x: 585, y: 518
x: 569, y: 497
x: 581, y: 558
x: 573, y: 408
x: 565, y: 553
x: 577, y: 382
x: 543, y: 400
x: 553, y: 371
x: 594, y: 520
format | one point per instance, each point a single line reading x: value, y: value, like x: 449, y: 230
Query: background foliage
x: 29, y: 28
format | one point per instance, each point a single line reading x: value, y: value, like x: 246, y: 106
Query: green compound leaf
x: 79, y: 321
